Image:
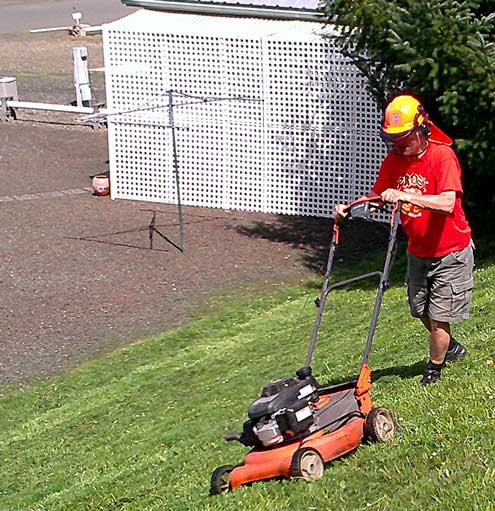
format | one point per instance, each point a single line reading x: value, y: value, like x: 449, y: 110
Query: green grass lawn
x: 142, y: 429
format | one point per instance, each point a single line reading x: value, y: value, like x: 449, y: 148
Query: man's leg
x: 425, y: 278
x: 455, y: 350
x: 426, y: 323
x: 449, y: 296
x: 439, y: 340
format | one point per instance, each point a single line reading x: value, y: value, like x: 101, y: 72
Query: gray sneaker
x: 455, y: 352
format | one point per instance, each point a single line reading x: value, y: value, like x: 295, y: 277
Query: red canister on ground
x: 101, y: 185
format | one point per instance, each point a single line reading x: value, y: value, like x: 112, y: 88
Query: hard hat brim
x: 436, y: 135
x: 394, y: 137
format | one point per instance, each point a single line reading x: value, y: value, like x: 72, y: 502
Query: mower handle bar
x: 343, y: 283
x: 382, y: 287
x: 361, y: 207
x: 323, y: 297
x: 366, y: 198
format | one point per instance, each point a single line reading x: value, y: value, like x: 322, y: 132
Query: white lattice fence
x: 305, y: 140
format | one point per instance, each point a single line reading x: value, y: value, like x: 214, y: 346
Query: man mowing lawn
x: 423, y: 172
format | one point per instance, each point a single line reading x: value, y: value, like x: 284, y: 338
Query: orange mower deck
x: 269, y: 464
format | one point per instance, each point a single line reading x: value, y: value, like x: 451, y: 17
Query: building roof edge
x: 226, y: 9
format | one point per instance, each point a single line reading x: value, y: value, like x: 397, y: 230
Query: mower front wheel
x: 307, y: 463
x: 220, y: 480
x: 379, y: 425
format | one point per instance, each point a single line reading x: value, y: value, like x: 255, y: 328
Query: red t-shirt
x: 431, y: 234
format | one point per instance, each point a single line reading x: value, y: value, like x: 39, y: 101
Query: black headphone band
x: 424, y: 127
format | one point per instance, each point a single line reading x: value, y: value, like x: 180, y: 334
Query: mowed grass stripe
x: 142, y: 428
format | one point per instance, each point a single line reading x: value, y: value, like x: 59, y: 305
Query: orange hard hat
x: 403, y: 115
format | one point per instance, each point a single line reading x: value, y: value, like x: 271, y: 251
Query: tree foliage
x: 444, y: 52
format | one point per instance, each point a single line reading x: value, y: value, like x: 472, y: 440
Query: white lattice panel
x: 304, y: 141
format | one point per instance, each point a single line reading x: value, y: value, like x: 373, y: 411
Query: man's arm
x: 442, y: 203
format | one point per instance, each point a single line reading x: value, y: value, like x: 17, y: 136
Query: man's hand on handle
x: 339, y: 212
x: 393, y: 196
x: 342, y: 210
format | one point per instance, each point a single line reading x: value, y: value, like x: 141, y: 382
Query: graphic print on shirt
x: 412, y: 183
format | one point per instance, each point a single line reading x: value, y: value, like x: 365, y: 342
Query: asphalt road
x: 21, y: 16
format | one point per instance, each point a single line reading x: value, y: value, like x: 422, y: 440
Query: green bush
x: 443, y: 52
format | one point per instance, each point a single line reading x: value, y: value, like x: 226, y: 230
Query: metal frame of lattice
x: 287, y: 126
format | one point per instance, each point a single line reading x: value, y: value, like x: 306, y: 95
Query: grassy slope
x: 142, y: 429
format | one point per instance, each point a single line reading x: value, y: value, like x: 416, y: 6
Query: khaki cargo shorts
x: 441, y: 288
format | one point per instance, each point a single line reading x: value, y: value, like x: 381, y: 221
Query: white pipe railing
x: 54, y: 29
x: 51, y: 107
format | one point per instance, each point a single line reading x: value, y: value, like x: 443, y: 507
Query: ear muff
x: 421, y: 121
x: 425, y: 129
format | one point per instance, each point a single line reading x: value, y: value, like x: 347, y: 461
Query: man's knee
x: 439, y: 326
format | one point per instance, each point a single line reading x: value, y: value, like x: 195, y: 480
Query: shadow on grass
x: 362, y: 247
x: 359, y: 240
x: 404, y: 372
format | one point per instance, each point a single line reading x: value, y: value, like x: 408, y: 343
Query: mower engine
x: 283, y: 411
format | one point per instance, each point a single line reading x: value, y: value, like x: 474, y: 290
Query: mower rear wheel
x: 220, y: 479
x: 307, y: 463
x: 379, y: 425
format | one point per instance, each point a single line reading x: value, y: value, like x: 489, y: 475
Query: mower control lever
x: 363, y: 207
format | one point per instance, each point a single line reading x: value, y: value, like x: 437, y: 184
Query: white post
x: 8, y: 91
x: 81, y: 76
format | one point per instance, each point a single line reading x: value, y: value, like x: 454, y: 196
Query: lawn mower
x: 297, y: 425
